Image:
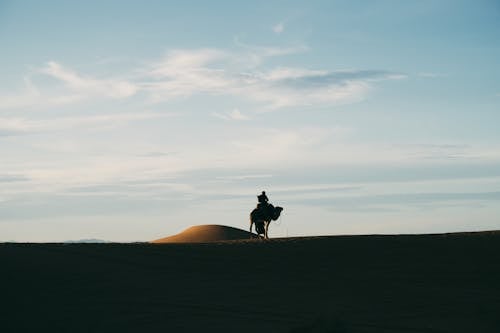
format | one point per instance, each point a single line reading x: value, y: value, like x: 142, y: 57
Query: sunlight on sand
x: 207, y: 233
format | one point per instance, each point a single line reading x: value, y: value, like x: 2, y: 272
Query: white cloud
x: 14, y: 126
x: 244, y: 177
x: 233, y: 115
x: 237, y: 115
x: 216, y: 72
x: 86, y: 85
x: 282, y: 94
x: 183, y: 73
x: 31, y: 96
x: 17, y: 125
x: 283, y: 73
x: 251, y: 56
x: 76, y: 88
x: 279, y: 28
x: 177, y: 61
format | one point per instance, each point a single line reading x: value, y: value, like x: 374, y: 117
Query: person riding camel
x: 263, y: 201
x: 263, y: 214
x: 262, y: 198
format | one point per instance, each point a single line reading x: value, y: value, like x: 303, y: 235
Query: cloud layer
x: 89, y: 146
x: 242, y: 73
x: 218, y: 72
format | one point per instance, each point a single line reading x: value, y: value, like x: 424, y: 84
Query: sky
x: 130, y: 120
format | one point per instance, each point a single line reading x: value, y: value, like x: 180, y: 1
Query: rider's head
x: 262, y: 198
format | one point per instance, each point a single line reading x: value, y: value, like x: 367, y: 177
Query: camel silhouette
x: 262, y: 216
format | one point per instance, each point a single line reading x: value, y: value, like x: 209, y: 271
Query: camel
x: 262, y: 217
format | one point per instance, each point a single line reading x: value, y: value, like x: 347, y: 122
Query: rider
x: 262, y: 198
x: 263, y: 202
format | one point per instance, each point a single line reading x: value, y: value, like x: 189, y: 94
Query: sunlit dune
x: 206, y: 233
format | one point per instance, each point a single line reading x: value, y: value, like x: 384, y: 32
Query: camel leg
x: 267, y: 227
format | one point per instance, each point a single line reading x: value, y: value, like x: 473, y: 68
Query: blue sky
x: 127, y: 121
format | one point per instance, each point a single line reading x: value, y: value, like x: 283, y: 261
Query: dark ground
x: 428, y: 283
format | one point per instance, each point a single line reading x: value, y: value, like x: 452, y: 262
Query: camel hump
x: 265, y: 212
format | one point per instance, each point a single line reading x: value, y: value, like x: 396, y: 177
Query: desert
x: 372, y: 283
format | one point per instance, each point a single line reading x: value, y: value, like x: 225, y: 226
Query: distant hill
x: 207, y: 233
x: 89, y: 240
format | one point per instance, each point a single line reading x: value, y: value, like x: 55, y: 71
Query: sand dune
x: 206, y: 233
x: 445, y: 283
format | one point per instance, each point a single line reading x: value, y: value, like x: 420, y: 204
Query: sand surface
x: 425, y: 283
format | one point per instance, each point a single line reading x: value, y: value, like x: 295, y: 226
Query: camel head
x: 277, y: 212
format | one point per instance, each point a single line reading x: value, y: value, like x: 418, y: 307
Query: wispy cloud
x: 10, y: 126
x: 244, y: 177
x: 443, y: 152
x: 184, y: 72
x: 86, y: 85
x: 233, y: 115
x: 430, y: 74
x: 290, y: 87
x: 9, y: 178
x: 239, y: 72
x: 31, y: 97
x: 251, y: 56
x: 279, y: 28
x: 73, y: 88
x: 14, y: 126
x: 237, y: 115
x: 209, y: 71
x: 400, y: 200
